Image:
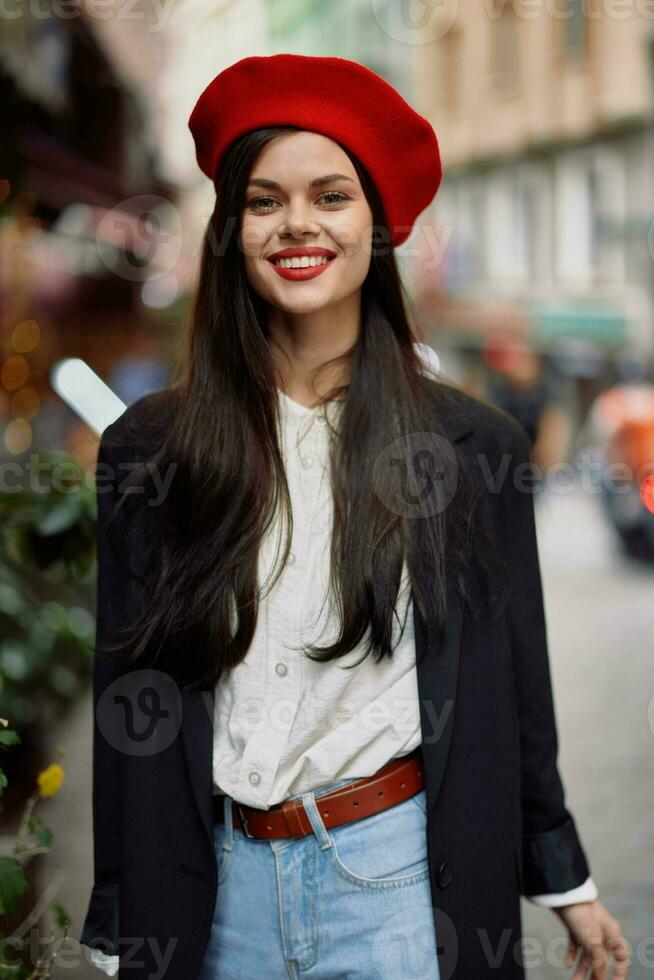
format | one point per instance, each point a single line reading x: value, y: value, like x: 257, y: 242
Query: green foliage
x: 47, y: 580
x: 47, y: 567
x: 13, y: 884
x: 32, y: 838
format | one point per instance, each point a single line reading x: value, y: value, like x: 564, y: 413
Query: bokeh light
x: 18, y: 436
x: 25, y: 403
x: 14, y: 372
x: 25, y: 336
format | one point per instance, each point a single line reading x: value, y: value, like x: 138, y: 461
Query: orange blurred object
x: 502, y: 352
x: 632, y: 444
x: 647, y: 492
x: 621, y: 404
x: 624, y: 417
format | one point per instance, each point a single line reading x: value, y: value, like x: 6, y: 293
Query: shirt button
x: 291, y: 558
x: 307, y: 462
x: 321, y: 420
x: 281, y: 669
x: 254, y: 778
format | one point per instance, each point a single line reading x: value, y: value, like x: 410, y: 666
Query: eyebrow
x: 318, y: 182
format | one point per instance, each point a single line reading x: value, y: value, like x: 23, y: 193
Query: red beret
x: 338, y: 98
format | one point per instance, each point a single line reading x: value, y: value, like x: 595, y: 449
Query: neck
x: 302, y: 343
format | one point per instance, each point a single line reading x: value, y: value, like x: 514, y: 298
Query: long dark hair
x: 202, y: 585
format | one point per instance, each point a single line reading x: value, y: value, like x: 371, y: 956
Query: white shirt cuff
x: 587, y: 892
x: 105, y: 962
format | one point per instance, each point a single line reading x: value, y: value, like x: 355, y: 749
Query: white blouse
x: 284, y: 724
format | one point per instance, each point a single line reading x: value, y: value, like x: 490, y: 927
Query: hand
x: 595, y: 933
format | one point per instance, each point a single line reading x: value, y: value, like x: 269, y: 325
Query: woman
x: 325, y: 742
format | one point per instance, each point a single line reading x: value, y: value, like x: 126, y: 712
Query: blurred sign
x: 604, y: 326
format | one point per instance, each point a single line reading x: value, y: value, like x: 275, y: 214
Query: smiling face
x: 306, y: 227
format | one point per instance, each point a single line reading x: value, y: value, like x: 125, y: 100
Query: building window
x: 451, y: 64
x: 607, y: 194
x: 526, y: 231
x: 573, y: 20
x: 505, y: 67
x: 574, y: 219
x: 532, y: 229
x: 500, y: 243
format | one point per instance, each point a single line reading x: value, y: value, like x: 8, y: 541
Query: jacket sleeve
x: 552, y: 857
x: 584, y: 893
x: 101, y: 923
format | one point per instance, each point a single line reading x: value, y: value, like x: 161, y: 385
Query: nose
x: 298, y: 220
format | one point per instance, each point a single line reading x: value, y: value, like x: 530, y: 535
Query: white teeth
x: 302, y: 262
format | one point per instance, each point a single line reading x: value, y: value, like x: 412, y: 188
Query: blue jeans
x: 350, y: 903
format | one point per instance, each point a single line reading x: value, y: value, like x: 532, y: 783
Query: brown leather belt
x: 395, y: 782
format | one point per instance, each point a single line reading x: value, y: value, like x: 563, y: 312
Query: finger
x: 582, y: 969
x: 571, y: 953
x: 594, y: 959
x: 584, y: 964
x: 599, y: 960
x: 618, y: 948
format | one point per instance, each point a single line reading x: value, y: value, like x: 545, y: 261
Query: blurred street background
x: 531, y: 276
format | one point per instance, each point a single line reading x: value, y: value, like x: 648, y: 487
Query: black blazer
x: 498, y: 825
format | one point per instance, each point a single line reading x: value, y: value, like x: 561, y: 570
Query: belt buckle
x: 244, y: 822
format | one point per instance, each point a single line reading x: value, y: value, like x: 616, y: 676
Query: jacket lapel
x: 197, y: 741
x: 437, y: 675
x: 438, y: 669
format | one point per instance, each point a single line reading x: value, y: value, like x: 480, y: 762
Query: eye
x: 266, y: 203
x: 260, y: 203
x: 336, y: 197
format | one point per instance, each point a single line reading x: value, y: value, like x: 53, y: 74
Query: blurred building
x: 545, y: 118
x: 201, y: 39
x: 87, y: 225
x: 354, y: 29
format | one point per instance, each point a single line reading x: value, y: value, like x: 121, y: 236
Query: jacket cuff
x: 584, y: 893
x: 109, y: 964
x: 100, y: 929
x: 553, y: 861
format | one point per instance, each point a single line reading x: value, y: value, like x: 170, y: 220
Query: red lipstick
x: 300, y: 273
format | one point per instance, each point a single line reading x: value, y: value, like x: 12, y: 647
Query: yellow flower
x: 50, y: 779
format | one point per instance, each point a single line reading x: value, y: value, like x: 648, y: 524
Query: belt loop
x: 228, y: 841
x: 292, y: 813
x: 317, y: 824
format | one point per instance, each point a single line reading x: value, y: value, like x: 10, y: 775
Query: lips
x: 310, y: 250
x: 297, y: 264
